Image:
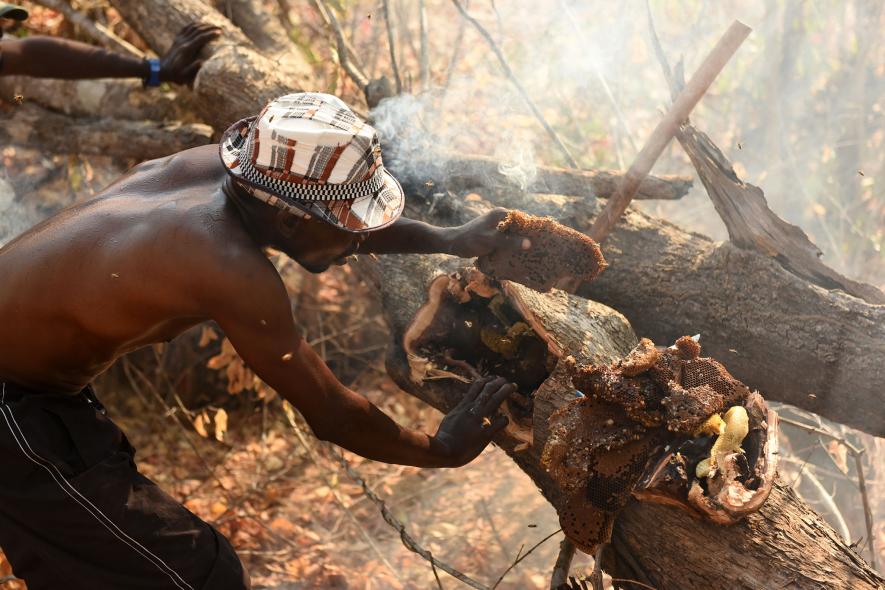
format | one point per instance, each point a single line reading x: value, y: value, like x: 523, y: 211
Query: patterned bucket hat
x: 310, y: 154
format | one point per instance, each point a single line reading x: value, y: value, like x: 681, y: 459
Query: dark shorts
x: 75, y: 513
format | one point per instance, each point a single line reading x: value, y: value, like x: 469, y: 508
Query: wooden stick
x: 667, y: 128
x: 563, y: 563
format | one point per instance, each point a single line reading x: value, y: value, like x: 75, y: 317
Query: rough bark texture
x: 785, y: 544
x: 33, y: 125
x: 797, y: 343
x: 753, y: 226
x: 120, y: 99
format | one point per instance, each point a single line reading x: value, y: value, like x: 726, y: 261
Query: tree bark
x: 120, y: 99
x: 32, y: 125
x: 784, y: 544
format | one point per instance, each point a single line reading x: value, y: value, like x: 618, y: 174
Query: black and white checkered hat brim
x: 354, y: 207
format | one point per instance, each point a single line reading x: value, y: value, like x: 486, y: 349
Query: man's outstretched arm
x: 51, y: 57
x: 249, y: 301
x: 475, y: 238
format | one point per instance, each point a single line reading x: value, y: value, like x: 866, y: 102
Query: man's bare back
x: 116, y: 273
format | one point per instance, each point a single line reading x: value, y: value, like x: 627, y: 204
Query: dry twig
x: 97, y: 31
x: 311, y: 453
x: 522, y: 91
x: 520, y: 556
x: 353, y: 68
x: 388, y: 18
x: 857, y: 453
x: 425, y: 46
x: 408, y: 541
x: 654, y: 146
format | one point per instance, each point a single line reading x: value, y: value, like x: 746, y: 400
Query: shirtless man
x: 176, y: 242
x: 49, y: 57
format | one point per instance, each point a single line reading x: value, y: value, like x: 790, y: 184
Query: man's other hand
x: 480, y: 236
x: 181, y: 63
x: 470, y: 426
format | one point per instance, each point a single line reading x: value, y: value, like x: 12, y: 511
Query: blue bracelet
x: 153, y: 78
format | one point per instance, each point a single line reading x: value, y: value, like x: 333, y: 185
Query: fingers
x: 490, y: 389
x: 498, y: 424
x: 491, y: 405
x: 474, y: 390
x: 190, y: 72
x: 199, y: 40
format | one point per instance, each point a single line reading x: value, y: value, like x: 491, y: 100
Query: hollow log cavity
x: 607, y: 417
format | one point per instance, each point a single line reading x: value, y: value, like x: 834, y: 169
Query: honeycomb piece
x: 688, y: 348
x: 641, y: 358
x: 688, y: 409
x: 578, y: 431
x: 639, y: 397
x: 585, y: 526
x: 543, y: 265
x: 600, y: 445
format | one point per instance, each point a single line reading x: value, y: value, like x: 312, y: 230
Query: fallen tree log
x: 31, y: 125
x: 796, y: 342
x: 784, y: 543
x: 120, y: 99
x: 458, y: 173
x: 236, y: 80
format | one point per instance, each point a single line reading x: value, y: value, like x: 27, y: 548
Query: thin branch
x: 519, y: 87
x: 827, y: 499
x: 388, y: 19
x: 856, y: 452
x: 663, y: 133
x: 453, y: 61
x: 425, y: 49
x: 394, y: 522
x: 353, y: 69
x: 436, y: 575
x: 96, y: 31
x: 312, y: 455
x: 521, y: 556
x: 563, y: 563
x: 352, y: 55
x: 625, y: 128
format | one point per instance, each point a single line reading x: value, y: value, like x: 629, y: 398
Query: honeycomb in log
x: 600, y: 445
x: 557, y: 252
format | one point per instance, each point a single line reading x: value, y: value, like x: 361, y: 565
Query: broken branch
x: 668, y: 126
